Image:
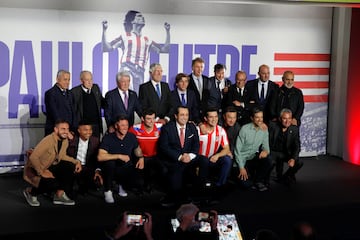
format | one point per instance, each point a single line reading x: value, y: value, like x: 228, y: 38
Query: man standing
x: 135, y: 47
x: 251, y: 152
x: 262, y: 91
x: 220, y: 89
x: 239, y: 98
x: 179, y: 151
x: 88, y: 102
x: 182, y: 96
x: 289, y: 97
x: 284, y: 142
x: 200, y: 84
x: 50, y: 169
x: 156, y: 94
x: 214, y: 146
x: 121, y: 101
x: 84, y: 147
x: 119, y: 154
x: 59, y: 104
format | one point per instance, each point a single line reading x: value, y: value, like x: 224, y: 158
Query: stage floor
x: 327, y: 195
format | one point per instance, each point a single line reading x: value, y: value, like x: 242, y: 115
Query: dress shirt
x: 248, y: 142
x: 123, y: 95
x: 154, y: 84
x: 192, y: 155
x: 82, y: 150
x: 86, y: 89
x: 265, y: 88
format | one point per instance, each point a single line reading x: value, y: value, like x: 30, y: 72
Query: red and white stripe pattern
x: 210, y: 143
x: 311, y: 73
x: 136, y: 49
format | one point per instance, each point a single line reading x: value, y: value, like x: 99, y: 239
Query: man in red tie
x: 181, y: 158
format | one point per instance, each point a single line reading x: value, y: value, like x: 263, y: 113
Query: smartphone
x: 136, y: 219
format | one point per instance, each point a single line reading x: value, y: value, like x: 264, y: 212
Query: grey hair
x: 61, y: 72
x: 122, y: 74
x: 285, y: 110
x: 186, y: 209
x: 153, y: 66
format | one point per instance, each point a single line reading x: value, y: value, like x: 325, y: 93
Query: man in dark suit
x: 178, y: 149
x: 156, y: 94
x: 88, y: 102
x: 59, y: 104
x: 289, y: 97
x: 200, y: 84
x: 121, y: 101
x: 238, y: 97
x: 262, y: 91
x: 84, y: 147
x: 182, y: 96
x: 219, y: 91
x: 284, y: 143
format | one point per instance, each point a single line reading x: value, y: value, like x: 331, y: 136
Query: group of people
x: 202, y: 132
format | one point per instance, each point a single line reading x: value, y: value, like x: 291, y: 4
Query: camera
x: 136, y: 219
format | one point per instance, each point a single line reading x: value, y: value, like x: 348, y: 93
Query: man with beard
x: 49, y: 169
x: 288, y: 97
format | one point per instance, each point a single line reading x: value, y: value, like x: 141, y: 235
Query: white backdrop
x: 34, y: 44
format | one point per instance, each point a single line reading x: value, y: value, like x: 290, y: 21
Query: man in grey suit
x: 156, y: 95
x: 88, y: 101
x: 121, y: 101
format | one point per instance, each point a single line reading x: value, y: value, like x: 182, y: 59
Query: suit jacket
x: 169, y: 142
x: 252, y: 87
x: 191, y: 103
x: 45, y: 154
x: 149, y: 99
x: 243, y: 112
x: 115, y: 106
x: 91, y: 154
x: 78, y: 102
x: 292, y: 139
x: 207, y: 85
x: 215, y: 100
x: 59, y: 105
x: 291, y: 98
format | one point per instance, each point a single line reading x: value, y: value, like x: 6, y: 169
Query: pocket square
x: 191, y: 136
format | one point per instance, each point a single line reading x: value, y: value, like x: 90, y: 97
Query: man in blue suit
x: 182, y: 96
x: 179, y: 151
x: 59, y: 104
x: 121, y: 101
x: 156, y: 94
x: 261, y: 91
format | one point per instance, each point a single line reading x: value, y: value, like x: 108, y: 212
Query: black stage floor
x: 327, y: 195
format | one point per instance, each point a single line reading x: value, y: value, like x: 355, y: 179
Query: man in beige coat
x: 50, y: 169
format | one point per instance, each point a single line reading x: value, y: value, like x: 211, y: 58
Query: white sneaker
x: 122, y: 192
x: 109, y: 197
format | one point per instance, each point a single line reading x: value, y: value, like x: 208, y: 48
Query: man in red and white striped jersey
x: 147, y: 133
x: 214, y: 145
x: 135, y: 47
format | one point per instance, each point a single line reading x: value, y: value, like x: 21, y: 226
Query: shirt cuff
x: 192, y: 155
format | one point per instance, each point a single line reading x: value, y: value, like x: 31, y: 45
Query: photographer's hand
x: 123, y: 228
x: 148, y: 227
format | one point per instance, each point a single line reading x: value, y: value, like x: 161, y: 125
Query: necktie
x: 158, y: 90
x: 126, y: 99
x: 182, y: 137
x: 88, y: 91
x: 262, y: 93
x: 183, y: 101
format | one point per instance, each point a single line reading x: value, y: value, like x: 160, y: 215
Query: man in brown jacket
x: 50, y: 169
